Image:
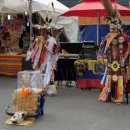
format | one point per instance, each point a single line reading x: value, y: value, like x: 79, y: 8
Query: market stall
x: 47, y: 9
x: 15, y: 29
x: 12, y: 53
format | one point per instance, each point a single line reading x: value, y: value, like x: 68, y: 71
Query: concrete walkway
x: 72, y: 109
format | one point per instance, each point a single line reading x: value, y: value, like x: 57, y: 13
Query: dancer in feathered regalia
x: 114, y: 48
x: 48, y: 60
x: 44, y: 57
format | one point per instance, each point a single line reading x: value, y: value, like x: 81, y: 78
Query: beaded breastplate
x: 114, y: 56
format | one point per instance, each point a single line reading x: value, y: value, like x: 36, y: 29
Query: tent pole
x: 98, y: 27
x: 30, y: 22
x: 2, y: 19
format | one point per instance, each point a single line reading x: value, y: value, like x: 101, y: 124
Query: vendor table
x: 65, y: 70
x: 10, y: 64
x: 89, y: 73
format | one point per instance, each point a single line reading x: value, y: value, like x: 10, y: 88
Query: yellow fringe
x: 120, y: 86
x: 109, y: 81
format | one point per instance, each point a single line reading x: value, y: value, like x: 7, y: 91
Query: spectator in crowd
x: 26, y: 42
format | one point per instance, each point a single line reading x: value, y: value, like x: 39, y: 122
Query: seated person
x: 6, y: 42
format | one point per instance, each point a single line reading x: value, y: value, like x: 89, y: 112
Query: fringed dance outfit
x: 114, y: 49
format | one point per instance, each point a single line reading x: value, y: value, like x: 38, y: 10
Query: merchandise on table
x: 10, y: 64
x: 89, y: 73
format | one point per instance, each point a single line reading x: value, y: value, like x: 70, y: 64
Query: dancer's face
x: 45, y: 34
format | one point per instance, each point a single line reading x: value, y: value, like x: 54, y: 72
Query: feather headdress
x: 112, y: 11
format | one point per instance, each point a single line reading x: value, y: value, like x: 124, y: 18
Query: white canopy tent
x: 44, y: 7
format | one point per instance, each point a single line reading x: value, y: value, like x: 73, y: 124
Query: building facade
x: 70, y: 3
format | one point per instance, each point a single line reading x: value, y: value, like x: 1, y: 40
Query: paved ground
x: 72, y: 109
